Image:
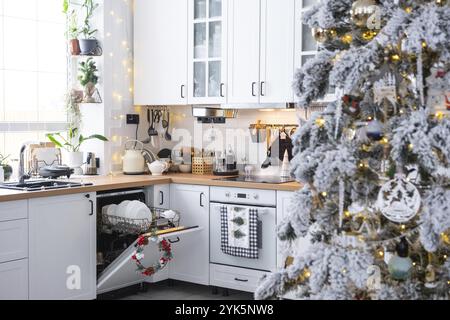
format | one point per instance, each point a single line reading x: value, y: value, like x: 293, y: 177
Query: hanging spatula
x: 268, y: 162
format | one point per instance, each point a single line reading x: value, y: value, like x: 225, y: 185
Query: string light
x: 410, y: 147
x: 320, y: 122
x: 324, y: 194
x: 347, y: 214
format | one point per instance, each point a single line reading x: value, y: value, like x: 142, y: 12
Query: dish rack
x: 202, y: 165
x: 130, y: 226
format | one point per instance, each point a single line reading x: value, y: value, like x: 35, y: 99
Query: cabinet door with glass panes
x: 305, y: 45
x: 207, y: 51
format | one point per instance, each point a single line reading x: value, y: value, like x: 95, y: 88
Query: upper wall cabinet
x: 207, y: 51
x: 160, y: 50
x: 261, y: 51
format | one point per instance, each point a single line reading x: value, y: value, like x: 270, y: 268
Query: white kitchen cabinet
x: 243, y: 51
x: 159, y: 196
x: 160, y: 52
x: 191, y: 251
x: 277, y: 51
x: 207, y: 51
x: 261, y: 37
x: 14, y: 280
x: 62, y: 247
x: 13, y: 240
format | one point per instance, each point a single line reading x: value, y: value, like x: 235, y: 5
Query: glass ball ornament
x: 400, y: 265
x: 375, y: 130
x: 361, y: 11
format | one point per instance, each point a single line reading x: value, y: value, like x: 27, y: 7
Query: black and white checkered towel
x: 252, y: 251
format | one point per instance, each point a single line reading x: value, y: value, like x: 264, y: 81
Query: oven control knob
x: 227, y: 194
x: 255, y: 196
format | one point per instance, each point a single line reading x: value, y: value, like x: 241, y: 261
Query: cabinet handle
x: 201, y: 199
x: 88, y: 196
x: 175, y: 241
x: 263, y: 86
x: 221, y: 90
x: 161, y: 198
x: 253, y: 89
x: 240, y: 280
x: 182, y: 91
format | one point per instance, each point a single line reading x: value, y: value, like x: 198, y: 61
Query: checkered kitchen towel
x: 248, y: 230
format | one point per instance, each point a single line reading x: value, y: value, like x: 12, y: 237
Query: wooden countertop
x: 105, y: 183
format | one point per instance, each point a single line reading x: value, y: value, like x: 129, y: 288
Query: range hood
x: 213, y: 114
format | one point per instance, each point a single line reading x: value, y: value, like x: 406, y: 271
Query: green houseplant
x: 7, y: 169
x: 88, y: 79
x: 72, y: 144
x: 72, y: 31
x: 89, y: 44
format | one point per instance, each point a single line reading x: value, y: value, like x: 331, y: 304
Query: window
x: 33, y: 71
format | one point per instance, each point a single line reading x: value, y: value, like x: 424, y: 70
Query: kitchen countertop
x: 105, y: 183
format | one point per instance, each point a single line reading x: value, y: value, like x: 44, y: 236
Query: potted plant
x: 89, y: 45
x: 88, y: 79
x: 7, y: 169
x: 72, y: 32
x: 72, y: 144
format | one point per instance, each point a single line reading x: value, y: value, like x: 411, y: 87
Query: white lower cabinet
x: 62, y: 246
x: 235, y: 278
x: 191, y: 251
x: 159, y: 196
x: 14, y: 280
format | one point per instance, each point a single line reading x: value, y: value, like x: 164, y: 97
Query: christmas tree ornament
x: 385, y: 90
x: 366, y: 14
x: 322, y: 35
x: 350, y: 105
x: 430, y: 276
x: 286, y: 166
x: 399, y: 200
x: 400, y: 265
x: 373, y: 282
x: 438, y: 95
x: 375, y: 130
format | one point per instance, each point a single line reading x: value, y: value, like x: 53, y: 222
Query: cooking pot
x: 133, y: 158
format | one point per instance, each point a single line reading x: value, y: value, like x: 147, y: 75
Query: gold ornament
x: 368, y: 35
x: 364, y: 14
x: 324, y: 35
x: 320, y: 122
x: 347, y: 38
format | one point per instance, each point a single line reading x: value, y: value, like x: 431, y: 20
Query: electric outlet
x: 132, y: 119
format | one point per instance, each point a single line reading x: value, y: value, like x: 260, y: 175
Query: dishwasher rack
x: 131, y: 226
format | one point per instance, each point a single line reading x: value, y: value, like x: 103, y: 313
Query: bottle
x: 400, y: 265
x: 230, y: 159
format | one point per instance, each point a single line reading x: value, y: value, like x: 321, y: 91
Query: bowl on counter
x: 185, y: 168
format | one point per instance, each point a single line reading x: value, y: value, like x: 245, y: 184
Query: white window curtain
x: 33, y: 71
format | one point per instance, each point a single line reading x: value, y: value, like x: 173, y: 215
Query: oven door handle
x: 174, y: 241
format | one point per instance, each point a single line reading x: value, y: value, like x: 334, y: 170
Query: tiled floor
x: 182, y: 291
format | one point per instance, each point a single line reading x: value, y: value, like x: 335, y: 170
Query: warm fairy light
x: 324, y: 194
x: 384, y: 140
x: 361, y: 165
x: 445, y: 256
x: 408, y: 9
x: 320, y: 122
x: 424, y: 44
x: 439, y: 115
x: 414, y: 264
x: 347, y: 214
x: 111, y: 12
x: 381, y: 253
x: 403, y: 227
x: 410, y: 147
x: 307, y: 273
x: 369, y: 118
x: 348, y: 38
x: 395, y: 57
x: 344, y: 271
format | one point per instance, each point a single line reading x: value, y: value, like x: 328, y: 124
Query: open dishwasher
x: 117, y: 239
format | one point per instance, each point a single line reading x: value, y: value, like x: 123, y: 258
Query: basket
x: 202, y: 165
x: 123, y: 225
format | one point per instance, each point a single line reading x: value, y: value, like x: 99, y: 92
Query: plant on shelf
x: 88, y: 79
x: 89, y: 44
x: 7, y: 169
x: 72, y: 144
x: 72, y: 31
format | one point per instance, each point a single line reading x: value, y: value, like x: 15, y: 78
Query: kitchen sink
x: 38, y: 185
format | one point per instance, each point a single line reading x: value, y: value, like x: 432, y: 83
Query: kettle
x: 133, y: 158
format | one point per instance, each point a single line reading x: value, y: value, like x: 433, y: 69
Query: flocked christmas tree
x: 375, y: 164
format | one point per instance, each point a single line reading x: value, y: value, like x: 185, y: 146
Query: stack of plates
x: 129, y: 210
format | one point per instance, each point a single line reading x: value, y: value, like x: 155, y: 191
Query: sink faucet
x: 22, y: 175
